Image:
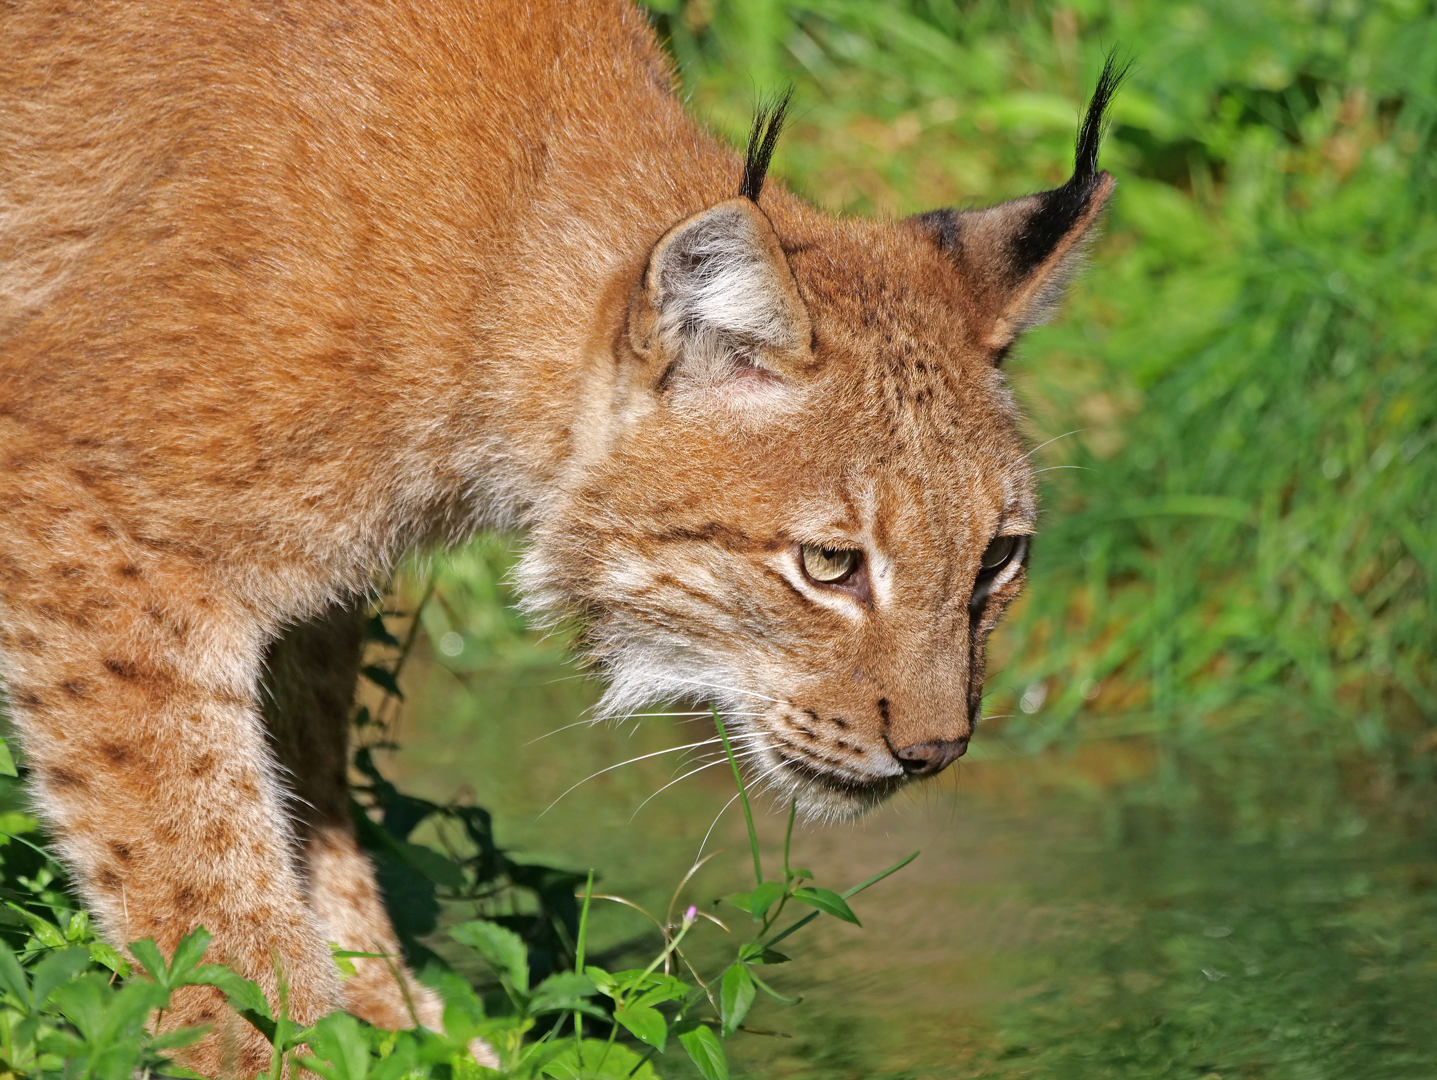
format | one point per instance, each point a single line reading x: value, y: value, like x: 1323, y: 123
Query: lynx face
x: 800, y: 492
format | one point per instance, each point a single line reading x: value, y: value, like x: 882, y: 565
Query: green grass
x: 1241, y: 559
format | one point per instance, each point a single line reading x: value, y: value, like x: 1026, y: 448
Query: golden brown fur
x: 289, y: 288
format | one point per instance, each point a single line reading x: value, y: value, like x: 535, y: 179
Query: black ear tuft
x: 1061, y: 208
x: 762, y: 138
x: 1085, y: 156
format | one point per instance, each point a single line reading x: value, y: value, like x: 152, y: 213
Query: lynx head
x: 802, y: 495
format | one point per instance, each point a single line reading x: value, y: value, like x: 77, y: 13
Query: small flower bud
x: 691, y: 916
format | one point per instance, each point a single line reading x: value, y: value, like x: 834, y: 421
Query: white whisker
x: 630, y: 761
x: 566, y: 727
x: 722, y: 689
x: 671, y: 783
x: 727, y: 805
x: 1050, y: 442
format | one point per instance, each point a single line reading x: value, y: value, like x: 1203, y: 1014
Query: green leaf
x: 383, y: 679
x: 244, y: 997
x: 189, y: 952
x: 660, y: 988
x: 56, y: 969
x: 78, y: 927
x: 82, y: 1002
x: 108, y: 956
x: 263, y: 1023
x: 618, y: 1062
x: 827, y: 901
x: 502, y: 949
x: 7, y: 763
x: 184, y: 1036
x: 706, y: 1052
x: 342, y: 1046
x: 763, y: 898
x: 800, y: 872
x: 770, y: 956
x: 645, y: 1023
x: 771, y: 992
x: 150, y: 958
x: 46, y: 932
x: 13, y: 978
x: 736, y: 996
x: 565, y: 990
x: 741, y: 900
x: 602, y: 979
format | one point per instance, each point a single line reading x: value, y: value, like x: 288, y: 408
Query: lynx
x: 290, y: 288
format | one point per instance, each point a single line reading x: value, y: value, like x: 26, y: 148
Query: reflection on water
x: 1038, y: 935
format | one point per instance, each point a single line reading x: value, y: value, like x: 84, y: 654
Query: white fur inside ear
x: 720, y: 300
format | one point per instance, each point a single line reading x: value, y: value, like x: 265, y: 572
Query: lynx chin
x: 288, y: 289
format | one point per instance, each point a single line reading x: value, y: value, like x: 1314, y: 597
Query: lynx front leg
x: 133, y: 682
x: 310, y: 678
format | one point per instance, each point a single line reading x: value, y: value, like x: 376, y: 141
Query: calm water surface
x: 1039, y: 934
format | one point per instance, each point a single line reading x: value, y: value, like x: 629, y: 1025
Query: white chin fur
x: 645, y: 668
x: 641, y: 675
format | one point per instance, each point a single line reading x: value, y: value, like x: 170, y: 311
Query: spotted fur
x: 287, y: 289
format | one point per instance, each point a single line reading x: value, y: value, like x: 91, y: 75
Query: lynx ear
x: 718, y: 307
x: 1016, y: 257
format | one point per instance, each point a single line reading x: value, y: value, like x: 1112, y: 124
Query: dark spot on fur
x: 122, y: 669
x: 883, y: 710
x: 121, y: 851
x: 75, y: 688
x: 130, y: 570
x: 219, y: 837
x: 108, y: 879
x: 841, y: 722
x: 29, y: 697
x: 202, y: 765
x: 65, y: 778
x: 186, y: 899
x: 115, y: 753
x: 712, y: 532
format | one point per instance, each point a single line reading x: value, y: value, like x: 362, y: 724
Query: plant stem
x: 657, y: 961
x: 788, y: 838
x: 742, y: 796
x: 874, y: 880
x: 579, y: 964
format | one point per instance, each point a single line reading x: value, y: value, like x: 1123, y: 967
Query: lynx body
x: 289, y: 288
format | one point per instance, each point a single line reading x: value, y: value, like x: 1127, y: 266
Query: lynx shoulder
x: 287, y: 289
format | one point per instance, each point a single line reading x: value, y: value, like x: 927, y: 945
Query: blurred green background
x: 1196, y: 838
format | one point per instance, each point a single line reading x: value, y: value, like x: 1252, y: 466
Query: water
x: 1041, y: 933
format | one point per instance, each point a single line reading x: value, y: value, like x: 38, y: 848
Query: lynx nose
x: 927, y: 758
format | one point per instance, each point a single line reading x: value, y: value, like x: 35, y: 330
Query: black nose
x: 927, y: 758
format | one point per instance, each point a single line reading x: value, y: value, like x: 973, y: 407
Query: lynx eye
x: 999, y: 551
x: 829, y: 566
